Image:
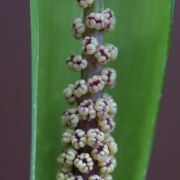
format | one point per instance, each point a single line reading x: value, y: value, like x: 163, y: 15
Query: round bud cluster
x: 76, y: 62
x: 64, y: 174
x: 66, y: 137
x: 89, y: 45
x: 95, y: 21
x: 67, y: 158
x: 107, y: 166
x: 102, y: 108
x: 113, y: 50
x: 69, y: 93
x: 84, y: 162
x: 100, y: 153
x: 80, y: 88
x: 89, y: 147
x: 102, y: 55
x: 95, y: 84
x: 110, y: 19
x: 95, y: 137
x: 109, y: 76
x: 71, y: 117
x: 86, y: 110
x: 107, y: 124
x: 85, y: 3
x: 78, y: 27
x: 78, y: 139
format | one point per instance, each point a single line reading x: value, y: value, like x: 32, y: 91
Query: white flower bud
x: 100, y: 153
x: 102, y: 108
x: 95, y: 84
x: 110, y: 19
x: 84, y: 163
x: 107, y: 124
x: 95, y: 177
x: 112, y: 105
x: 86, y: 110
x: 113, y: 50
x: 79, y: 139
x: 76, y: 62
x: 68, y: 93
x: 108, y: 165
x: 94, y: 137
x: 64, y: 174
x: 95, y: 21
x: 71, y: 117
x: 102, y: 55
x: 78, y: 27
x: 112, y: 145
x: 76, y: 178
x: 85, y: 3
x: 66, y: 137
x: 109, y: 76
x: 89, y: 45
x: 80, y: 88
x: 67, y: 157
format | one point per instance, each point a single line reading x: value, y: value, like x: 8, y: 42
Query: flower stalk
x: 89, y: 147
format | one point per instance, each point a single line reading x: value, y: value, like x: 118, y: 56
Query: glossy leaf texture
x: 142, y: 35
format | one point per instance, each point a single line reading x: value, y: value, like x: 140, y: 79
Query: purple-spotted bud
x: 78, y: 27
x: 84, y: 163
x: 69, y: 93
x: 80, y: 88
x: 86, y: 110
x: 89, y: 45
x: 95, y: 84
x: 95, y: 21
x: 76, y: 62
x: 102, y: 55
x: 113, y: 50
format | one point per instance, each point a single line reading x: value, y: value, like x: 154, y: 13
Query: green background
x: 142, y: 36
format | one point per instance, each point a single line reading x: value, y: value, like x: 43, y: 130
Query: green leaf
x: 142, y: 34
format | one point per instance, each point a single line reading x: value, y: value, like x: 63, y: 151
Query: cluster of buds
x: 89, y: 147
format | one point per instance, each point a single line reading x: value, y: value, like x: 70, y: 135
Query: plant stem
x: 93, y: 68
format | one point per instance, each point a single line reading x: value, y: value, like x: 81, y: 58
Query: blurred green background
x: 142, y: 36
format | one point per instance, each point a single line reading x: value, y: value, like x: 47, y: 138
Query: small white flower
x: 66, y: 137
x: 64, y: 174
x: 108, y: 165
x: 85, y: 3
x: 89, y: 45
x: 102, y: 55
x: 86, y: 110
x: 78, y: 139
x: 71, y: 117
x: 68, y: 93
x: 94, y: 137
x: 76, y: 178
x: 112, y: 145
x: 76, y: 62
x: 95, y: 84
x: 102, y: 108
x: 110, y: 19
x: 67, y: 157
x: 112, y: 104
x: 80, y: 88
x: 113, y: 50
x: 100, y: 153
x: 95, y: 177
x: 95, y: 21
x: 84, y: 163
x: 78, y: 27
x: 107, y: 124
x: 109, y: 76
